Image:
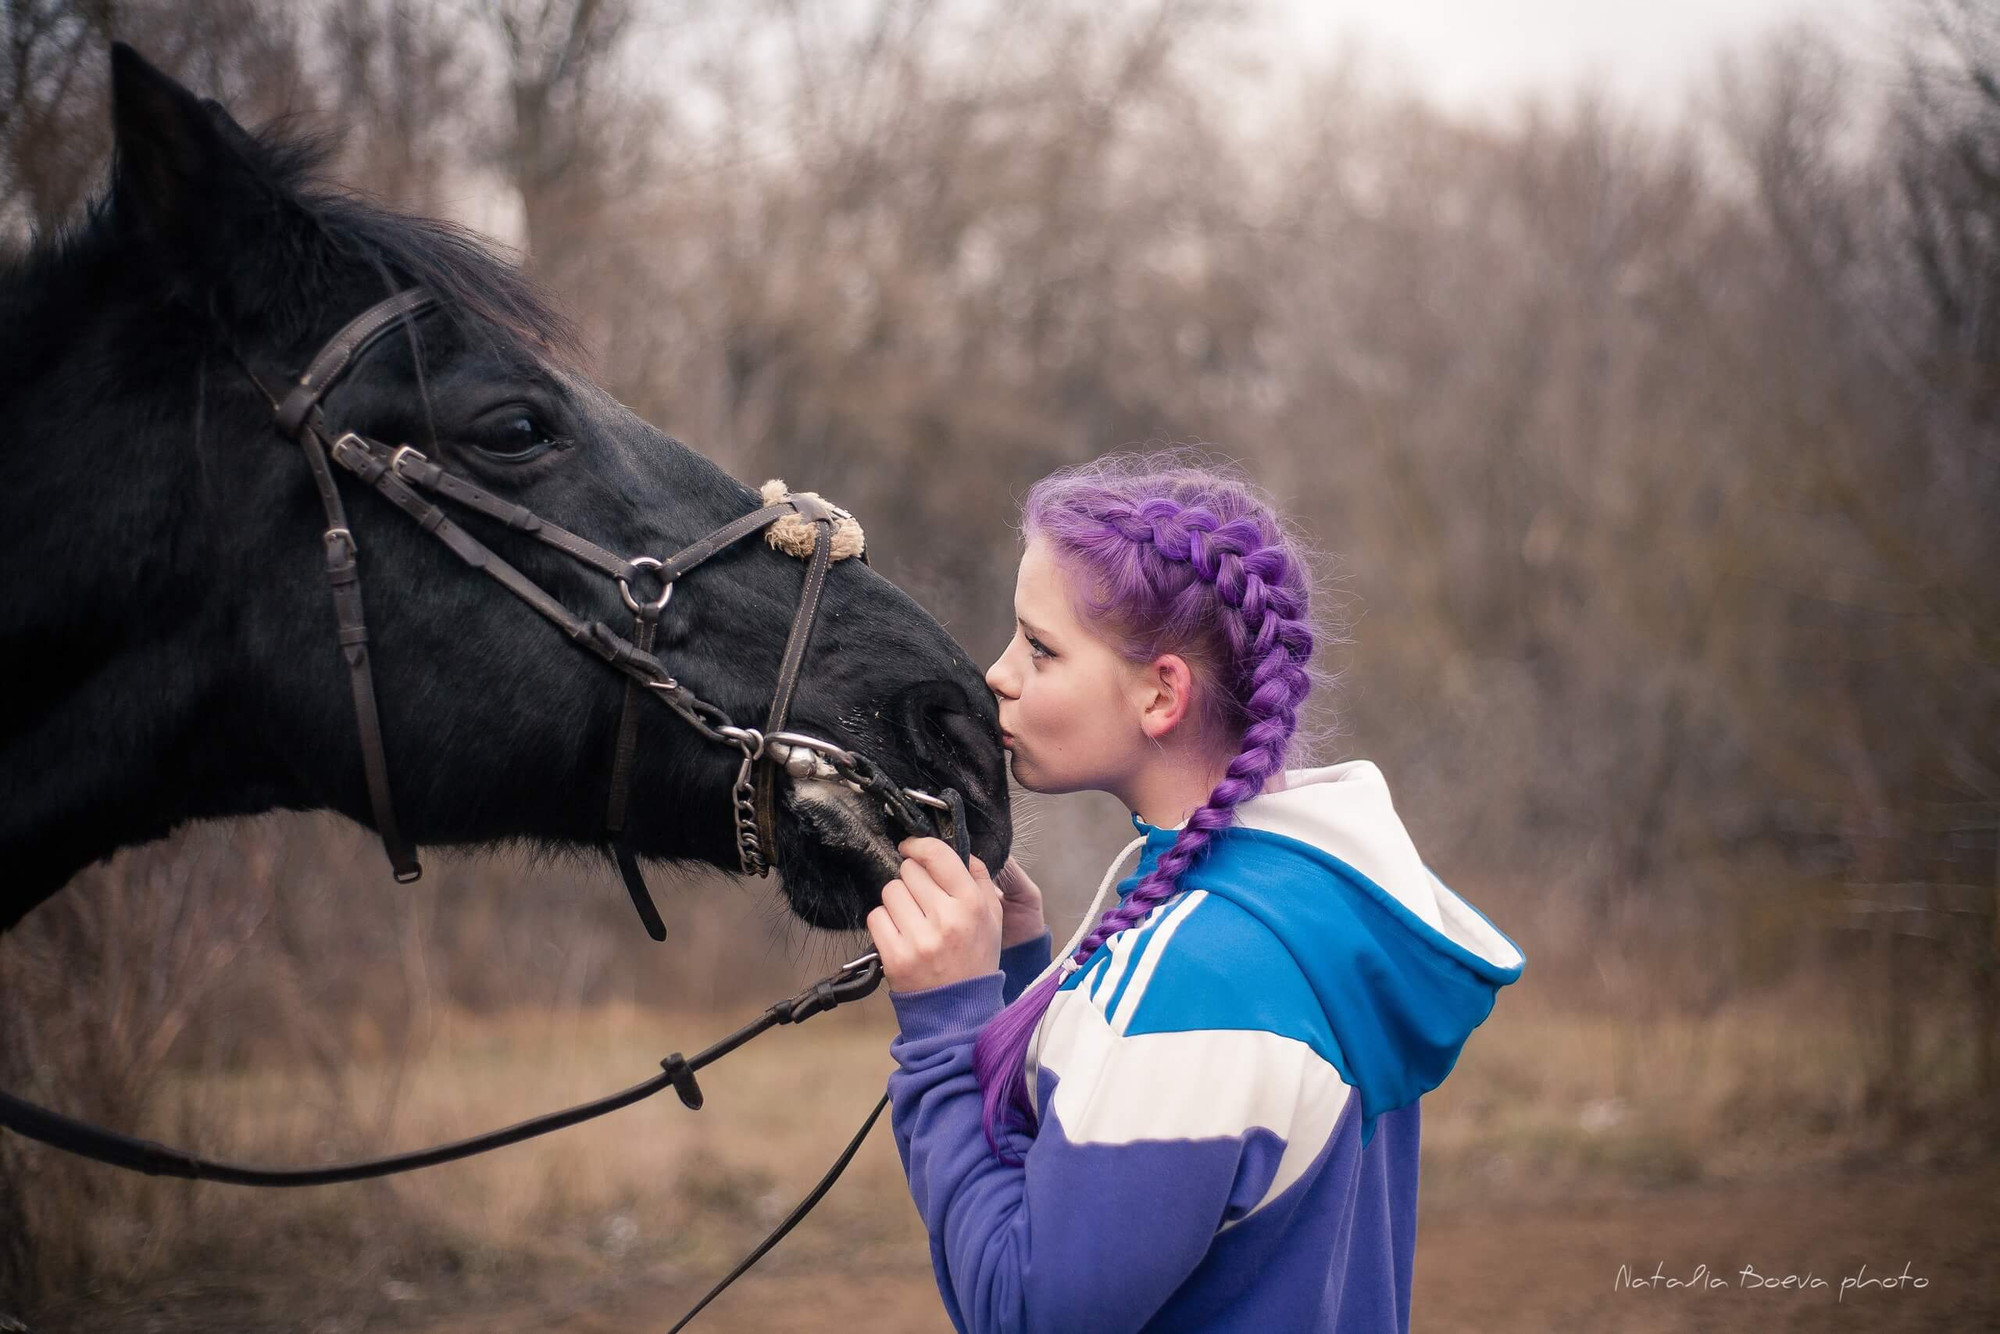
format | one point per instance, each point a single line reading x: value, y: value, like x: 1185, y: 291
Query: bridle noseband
x: 404, y: 476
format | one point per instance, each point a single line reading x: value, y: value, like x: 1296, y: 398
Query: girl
x: 1204, y: 1115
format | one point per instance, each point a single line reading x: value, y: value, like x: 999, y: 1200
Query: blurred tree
x: 1946, y: 147
x: 404, y: 89
x: 54, y: 123
x: 567, y: 104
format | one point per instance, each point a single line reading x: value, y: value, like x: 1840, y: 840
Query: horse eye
x: 512, y: 437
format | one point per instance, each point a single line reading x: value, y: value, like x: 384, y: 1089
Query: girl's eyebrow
x: 1033, y: 632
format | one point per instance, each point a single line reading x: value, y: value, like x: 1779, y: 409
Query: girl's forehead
x: 1043, y: 597
x: 1040, y: 582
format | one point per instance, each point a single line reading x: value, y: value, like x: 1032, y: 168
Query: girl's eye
x: 512, y: 436
x: 1037, y: 648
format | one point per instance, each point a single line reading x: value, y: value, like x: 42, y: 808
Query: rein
x: 404, y: 476
x: 851, y: 982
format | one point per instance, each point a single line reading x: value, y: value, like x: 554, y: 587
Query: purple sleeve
x: 1078, y: 1236
x: 1023, y: 963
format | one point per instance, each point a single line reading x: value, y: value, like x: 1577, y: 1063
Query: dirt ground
x: 1755, y: 1211
x: 1541, y: 1267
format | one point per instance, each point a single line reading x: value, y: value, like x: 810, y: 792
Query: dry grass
x: 654, y: 1186
x: 1548, y: 1096
x: 1546, y: 1102
x: 1596, y: 1084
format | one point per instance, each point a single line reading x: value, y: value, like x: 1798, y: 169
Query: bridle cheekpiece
x: 798, y: 522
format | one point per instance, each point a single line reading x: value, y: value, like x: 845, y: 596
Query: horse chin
x: 834, y: 877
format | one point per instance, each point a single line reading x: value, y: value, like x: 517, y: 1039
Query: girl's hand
x: 939, y: 921
x: 1020, y: 903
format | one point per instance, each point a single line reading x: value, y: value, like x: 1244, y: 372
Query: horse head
x: 168, y: 625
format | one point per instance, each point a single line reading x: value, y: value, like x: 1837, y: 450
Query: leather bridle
x: 403, y: 476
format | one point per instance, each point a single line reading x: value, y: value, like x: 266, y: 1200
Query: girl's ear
x: 1165, y: 694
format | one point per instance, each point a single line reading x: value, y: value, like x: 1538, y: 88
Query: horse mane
x: 477, y: 287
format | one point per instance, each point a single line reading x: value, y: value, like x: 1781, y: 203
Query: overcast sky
x: 1472, y: 54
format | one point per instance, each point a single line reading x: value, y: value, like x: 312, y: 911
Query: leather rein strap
x: 852, y: 982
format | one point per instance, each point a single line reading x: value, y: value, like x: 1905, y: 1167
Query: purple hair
x: 1164, y: 556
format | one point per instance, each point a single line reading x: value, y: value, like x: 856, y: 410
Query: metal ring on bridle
x: 746, y: 739
x: 636, y: 607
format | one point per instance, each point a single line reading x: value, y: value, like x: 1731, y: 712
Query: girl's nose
x: 996, y: 678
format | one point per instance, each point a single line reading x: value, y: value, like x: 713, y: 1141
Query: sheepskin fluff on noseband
x: 794, y: 536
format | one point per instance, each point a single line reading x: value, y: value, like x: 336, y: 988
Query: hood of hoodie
x: 1403, y: 968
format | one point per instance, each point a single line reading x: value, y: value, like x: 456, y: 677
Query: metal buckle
x: 403, y: 452
x: 348, y: 443
x: 650, y: 610
x: 854, y: 981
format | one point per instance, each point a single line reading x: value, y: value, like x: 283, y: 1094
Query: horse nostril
x: 963, y: 736
x: 942, y: 731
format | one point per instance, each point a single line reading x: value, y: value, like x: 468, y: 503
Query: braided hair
x: 1164, y: 556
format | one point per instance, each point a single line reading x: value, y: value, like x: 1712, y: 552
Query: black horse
x: 167, y: 639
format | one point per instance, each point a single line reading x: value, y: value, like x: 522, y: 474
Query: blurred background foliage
x: 1655, y: 459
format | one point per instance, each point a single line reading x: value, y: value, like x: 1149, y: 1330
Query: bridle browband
x: 403, y: 475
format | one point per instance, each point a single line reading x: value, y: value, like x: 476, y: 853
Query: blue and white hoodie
x: 1228, y: 1090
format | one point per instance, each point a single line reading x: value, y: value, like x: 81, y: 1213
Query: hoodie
x: 1229, y: 1090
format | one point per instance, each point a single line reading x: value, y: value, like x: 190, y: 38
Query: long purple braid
x: 1168, y: 559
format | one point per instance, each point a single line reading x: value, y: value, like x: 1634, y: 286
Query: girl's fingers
x: 939, y: 921
x: 903, y: 911
x: 923, y: 887
x: 937, y: 857
x: 889, y: 943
